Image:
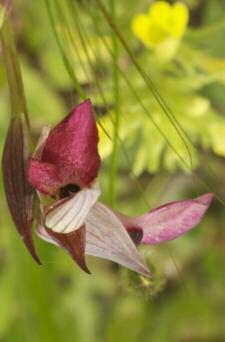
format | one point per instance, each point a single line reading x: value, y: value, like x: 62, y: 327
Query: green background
x: 185, y: 300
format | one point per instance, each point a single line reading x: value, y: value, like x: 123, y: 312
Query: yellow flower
x: 217, y: 131
x: 163, y: 23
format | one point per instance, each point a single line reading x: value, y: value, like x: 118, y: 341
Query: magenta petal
x: 72, y: 147
x: 170, y: 220
x: 43, y: 176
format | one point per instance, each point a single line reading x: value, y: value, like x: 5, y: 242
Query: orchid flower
x: 64, y: 172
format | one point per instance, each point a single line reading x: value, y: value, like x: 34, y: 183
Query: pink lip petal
x: 169, y: 221
x: 72, y: 146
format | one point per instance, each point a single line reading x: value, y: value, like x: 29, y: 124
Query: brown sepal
x: 19, y: 194
x: 74, y: 243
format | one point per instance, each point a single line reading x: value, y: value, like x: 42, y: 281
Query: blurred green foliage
x: 185, y: 300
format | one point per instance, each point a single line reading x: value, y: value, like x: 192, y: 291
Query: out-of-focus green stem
x: 66, y: 61
x: 17, y: 97
x: 116, y: 91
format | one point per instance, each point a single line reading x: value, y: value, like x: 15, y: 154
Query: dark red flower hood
x: 70, y: 154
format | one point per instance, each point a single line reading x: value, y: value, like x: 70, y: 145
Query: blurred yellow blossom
x: 217, y: 131
x: 162, y: 26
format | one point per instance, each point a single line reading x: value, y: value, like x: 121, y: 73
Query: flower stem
x: 17, y: 97
x: 116, y: 93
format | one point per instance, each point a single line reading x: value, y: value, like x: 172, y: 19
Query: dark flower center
x: 68, y: 190
x: 136, y: 234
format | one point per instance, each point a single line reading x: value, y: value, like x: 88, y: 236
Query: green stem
x: 10, y: 55
x: 116, y: 92
x: 67, y: 63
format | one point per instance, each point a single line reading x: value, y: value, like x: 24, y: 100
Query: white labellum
x: 71, y: 214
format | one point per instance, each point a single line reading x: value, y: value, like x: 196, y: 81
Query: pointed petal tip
x: 37, y: 259
x: 107, y: 238
x: 56, y: 240
x: 81, y: 263
x: 87, y: 103
x: 205, y: 199
x: 77, y: 159
x: 144, y: 271
x: 139, y: 265
x: 30, y: 246
x: 73, y: 242
x: 84, y: 107
x: 84, y: 267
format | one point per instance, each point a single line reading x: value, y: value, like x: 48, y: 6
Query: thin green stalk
x: 181, y: 132
x: 14, y: 77
x: 67, y: 63
x: 147, y: 79
x: 146, y: 110
x: 72, y: 38
x: 84, y: 37
x: 119, y: 70
x: 116, y: 93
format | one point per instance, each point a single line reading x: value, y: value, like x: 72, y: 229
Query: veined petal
x: 19, y: 193
x: 106, y: 238
x: 73, y: 243
x: 69, y: 215
x: 169, y: 221
x: 72, y: 147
